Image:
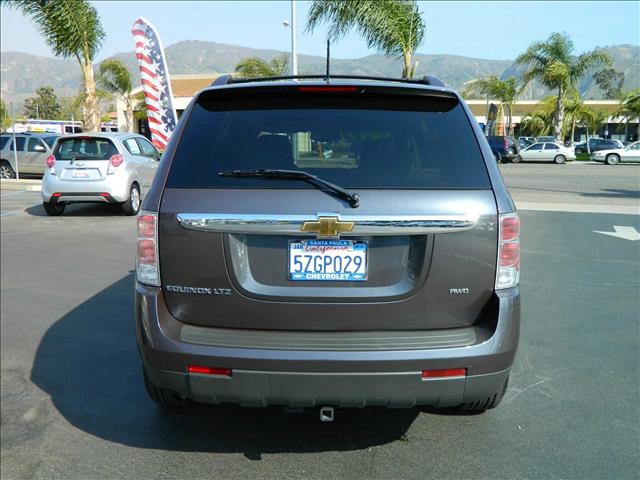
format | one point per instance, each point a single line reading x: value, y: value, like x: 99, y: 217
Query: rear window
x: 20, y: 141
x: 85, y: 148
x: 393, y: 142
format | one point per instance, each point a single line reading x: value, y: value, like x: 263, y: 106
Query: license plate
x: 80, y: 174
x: 328, y: 260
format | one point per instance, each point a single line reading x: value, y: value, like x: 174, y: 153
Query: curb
x: 26, y: 185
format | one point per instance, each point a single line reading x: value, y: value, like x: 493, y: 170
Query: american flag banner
x: 156, y: 86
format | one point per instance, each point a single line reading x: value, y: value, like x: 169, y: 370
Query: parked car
x: 630, y: 153
x: 115, y: 168
x: 531, y: 140
x: 596, y: 144
x: 385, y: 275
x: 505, y: 149
x: 546, y: 138
x: 32, y: 151
x: 524, y: 143
x: 547, y: 152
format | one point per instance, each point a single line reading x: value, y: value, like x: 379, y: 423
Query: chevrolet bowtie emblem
x: 327, y: 227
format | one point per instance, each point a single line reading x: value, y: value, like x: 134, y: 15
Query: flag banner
x: 154, y: 76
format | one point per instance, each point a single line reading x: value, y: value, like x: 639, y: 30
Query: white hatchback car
x: 547, y: 152
x: 630, y: 153
x: 114, y: 168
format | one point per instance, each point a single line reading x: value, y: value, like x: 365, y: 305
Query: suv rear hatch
x: 424, y: 232
x: 83, y: 158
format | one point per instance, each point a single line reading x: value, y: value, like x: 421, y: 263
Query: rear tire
x: 479, y: 406
x: 132, y: 205
x: 6, y: 171
x: 54, y: 209
x: 163, y: 396
x: 560, y: 159
x: 612, y: 159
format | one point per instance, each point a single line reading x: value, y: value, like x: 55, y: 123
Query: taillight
x: 114, y: 162
x: 508, y: 268
x: 51, y: 163
x: 506, y: 143
x: 147, y: 269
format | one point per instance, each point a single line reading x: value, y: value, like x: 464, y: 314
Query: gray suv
x: 32, y: 152
x: 308, y: 243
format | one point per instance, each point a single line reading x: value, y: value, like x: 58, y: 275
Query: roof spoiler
x: 229, y: 79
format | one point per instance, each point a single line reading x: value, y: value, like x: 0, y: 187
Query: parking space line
x: 11, y: 194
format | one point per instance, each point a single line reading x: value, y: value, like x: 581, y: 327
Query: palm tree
x: 577, y: 112
x: 393, y: 27
x: 254, y: 67
x: 72, y: 29
x: 630, y: 109
x: 114, y: 77
x: 506, y: 91
x: 537, y: 123
x: 553, y: 63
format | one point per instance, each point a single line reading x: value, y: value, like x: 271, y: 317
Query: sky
x: 492, y: 30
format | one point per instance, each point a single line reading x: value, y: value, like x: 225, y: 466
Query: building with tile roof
x: 185, y: 87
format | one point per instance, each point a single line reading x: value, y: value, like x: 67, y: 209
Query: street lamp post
x: 294, y: 47
x: 15, y: 150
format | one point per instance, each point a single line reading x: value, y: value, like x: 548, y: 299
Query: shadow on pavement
x: 80, y: 210
x: 88, y: 363
x: 614, y: 193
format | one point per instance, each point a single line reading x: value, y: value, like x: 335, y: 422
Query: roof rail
x: 426, y: 80
x: 434, y: 81
x: 221, y: 80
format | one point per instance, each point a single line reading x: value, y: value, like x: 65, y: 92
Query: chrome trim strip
x: 291, y: 224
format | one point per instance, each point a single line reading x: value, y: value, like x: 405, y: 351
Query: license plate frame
x: 351, y: 246
x: 80, y: 174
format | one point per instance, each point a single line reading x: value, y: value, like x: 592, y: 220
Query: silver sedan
x: 114, y: 168
x: 547, y: 152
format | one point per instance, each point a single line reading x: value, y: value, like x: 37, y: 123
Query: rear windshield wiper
x: 276, y: 174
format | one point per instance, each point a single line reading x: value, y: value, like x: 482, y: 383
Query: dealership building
x: 184, y: 87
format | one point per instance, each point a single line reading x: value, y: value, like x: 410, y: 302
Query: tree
x: 71, y: 107
x: 72, y: 29
x: 610, y: 82
x: 5, y: 118
x: 139, y: 106
x: 392, y: 27
x: 630, y: 109
x: 114, y: 77
x: 580, y: 114
x: 254, y: 67
x: 506, y: 91
x: 44, y: 105
x: 553, y: 63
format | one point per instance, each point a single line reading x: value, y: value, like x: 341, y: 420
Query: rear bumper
x: 266, y: 376
x: 253, y: 388
x: 116, y: 186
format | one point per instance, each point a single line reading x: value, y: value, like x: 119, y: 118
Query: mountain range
x: 22, y: 73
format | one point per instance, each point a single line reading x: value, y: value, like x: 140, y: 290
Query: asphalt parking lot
x: 73, y: 404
